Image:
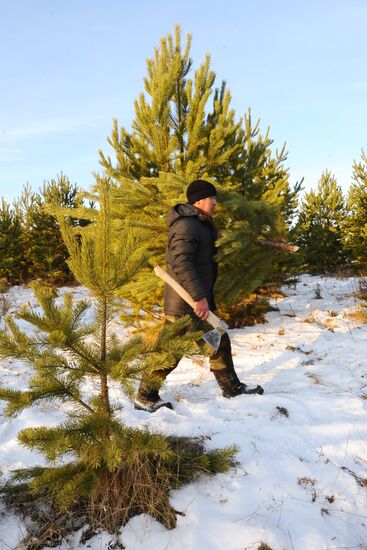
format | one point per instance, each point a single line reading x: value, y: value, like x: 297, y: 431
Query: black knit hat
x: 200, y: 189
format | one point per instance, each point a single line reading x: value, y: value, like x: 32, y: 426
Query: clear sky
x: 68, y: 67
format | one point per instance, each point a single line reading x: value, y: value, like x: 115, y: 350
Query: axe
x: 212, y: 338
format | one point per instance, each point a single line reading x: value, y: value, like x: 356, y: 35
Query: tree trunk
x: 103, y: 377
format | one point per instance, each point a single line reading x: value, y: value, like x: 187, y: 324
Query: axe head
x: 212, y: 338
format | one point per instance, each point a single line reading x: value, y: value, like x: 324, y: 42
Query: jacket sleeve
x: 183, y: 245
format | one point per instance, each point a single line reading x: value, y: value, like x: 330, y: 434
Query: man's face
x: 207, y: 206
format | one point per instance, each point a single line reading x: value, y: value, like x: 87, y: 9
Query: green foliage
x: 321, y: 227
x: 105, y: 470
x: 183, y: 129
x: 245, y: 226
x: 11, y: 245
x: 47, y: 251
x: 24, y: 207
x: 356, y: 231
x: 31, y: 246
x: 163, y: 345
x: 249, y: 311
x: 99, y: 262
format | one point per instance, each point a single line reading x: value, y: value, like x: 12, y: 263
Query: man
x: 190, y: 261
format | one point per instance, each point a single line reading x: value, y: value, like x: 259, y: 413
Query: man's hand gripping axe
x: 212, y: 338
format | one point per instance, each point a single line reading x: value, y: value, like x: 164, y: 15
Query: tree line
x: 329, y: 228
x: 31, y: 246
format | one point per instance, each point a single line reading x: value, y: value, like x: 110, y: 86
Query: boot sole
x: 166, y: 404
x: 255, y: 391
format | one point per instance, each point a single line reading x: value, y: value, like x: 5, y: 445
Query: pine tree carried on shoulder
x: 98, y: 471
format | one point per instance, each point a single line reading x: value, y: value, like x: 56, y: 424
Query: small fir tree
x: 178, y: 136
x: 321, y: 227
x: 98, y: 468
x: 11, y: 244
x: 356, y: 231
x: 25, y: 206
x: 47, y: 250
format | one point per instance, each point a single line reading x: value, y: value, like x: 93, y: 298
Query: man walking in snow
x: 190, y: 261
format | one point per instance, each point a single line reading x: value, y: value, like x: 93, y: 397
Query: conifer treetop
x: 184, y: 128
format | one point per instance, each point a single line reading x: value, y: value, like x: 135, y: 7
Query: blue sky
x: 69, y: 66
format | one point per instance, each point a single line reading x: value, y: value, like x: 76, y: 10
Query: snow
x: 302, y: 445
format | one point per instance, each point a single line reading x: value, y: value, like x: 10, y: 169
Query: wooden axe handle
x: 212, y: 318
x: 286, y: 247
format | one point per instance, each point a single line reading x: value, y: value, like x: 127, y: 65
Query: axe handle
x: 212, y: 318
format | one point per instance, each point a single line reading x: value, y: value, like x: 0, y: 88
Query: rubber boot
x: 231, y: 386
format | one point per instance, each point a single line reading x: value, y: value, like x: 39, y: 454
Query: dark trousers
x: 220, y: 360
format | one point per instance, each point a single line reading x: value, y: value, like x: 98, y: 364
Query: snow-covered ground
x: 301, y: 481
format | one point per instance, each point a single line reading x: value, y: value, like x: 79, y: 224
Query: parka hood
x: 183, y: 211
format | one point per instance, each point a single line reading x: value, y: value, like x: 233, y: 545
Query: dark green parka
x: 190, y: 258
